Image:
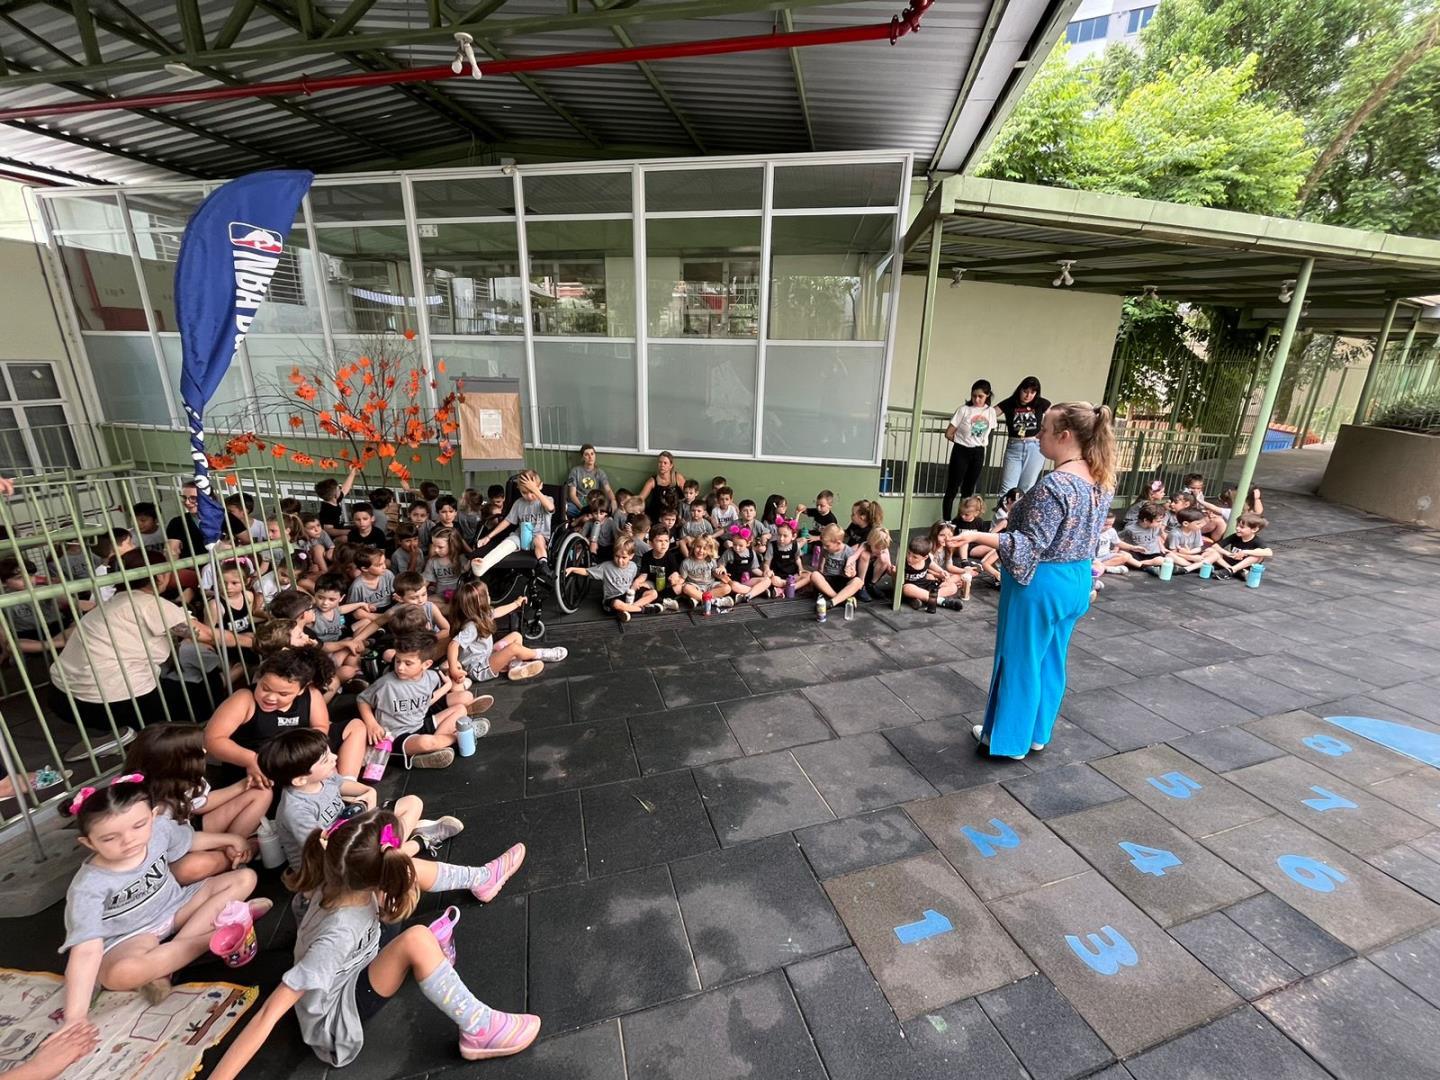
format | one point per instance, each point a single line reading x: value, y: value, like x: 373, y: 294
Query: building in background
x: 1098, y: 23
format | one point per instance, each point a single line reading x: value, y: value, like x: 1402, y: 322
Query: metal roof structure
x: 1018, y: 234
x: 940, y: 93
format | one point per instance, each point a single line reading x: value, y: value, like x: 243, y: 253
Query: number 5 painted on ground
x: 1104, y: 957
x: 1175, y: 784
x: 1312, y: 873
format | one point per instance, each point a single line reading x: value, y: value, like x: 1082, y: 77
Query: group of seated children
x: 1185, y: 529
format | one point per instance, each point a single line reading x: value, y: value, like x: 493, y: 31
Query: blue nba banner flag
x: 229, y: 253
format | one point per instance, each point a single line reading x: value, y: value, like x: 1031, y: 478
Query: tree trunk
x: 1403, y: 63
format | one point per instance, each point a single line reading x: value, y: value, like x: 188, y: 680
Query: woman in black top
x: 1023, y: 411
x: 664, y: 488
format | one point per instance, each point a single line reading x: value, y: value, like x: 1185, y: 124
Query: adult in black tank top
x: 667, y: 485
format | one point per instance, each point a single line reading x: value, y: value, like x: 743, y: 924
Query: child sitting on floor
x: 313, y: 795
x: 876, y: 565
x: 925, y: 582
x: 1186, y: 542
x: 695, y: 528
x: 820, y: 514
x: 837, y: 576
x: 374, y: 587
x: 1144, y: 541
x: 740, y: 566
x: 701, y: 572
x: 475, y: 653
x: 864, y: 517
x: 661, y: 568
x: 787, y: 553
x: 1234, y: 555
x: 1109, y: 559
x: 625, y: 591
x: 404, y: 705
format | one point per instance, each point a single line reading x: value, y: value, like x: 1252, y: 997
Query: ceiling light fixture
x: 1152, y: 292
x: 1064, y: 278
x: 1287, y: 290
x: 465, y: 54
x: 955, y: 276
x: 184, y: 71
x: 507, y: 166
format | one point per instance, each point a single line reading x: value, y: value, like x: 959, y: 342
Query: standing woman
x: 1023, y: 411
x: 969, y: 433
x: 667, y: 479
x: 1045, y: 554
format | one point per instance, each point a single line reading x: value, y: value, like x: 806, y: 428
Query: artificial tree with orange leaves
x: 377, y: 403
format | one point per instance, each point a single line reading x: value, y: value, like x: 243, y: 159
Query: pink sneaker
x: 501, y: 870
x: 508, y: 1033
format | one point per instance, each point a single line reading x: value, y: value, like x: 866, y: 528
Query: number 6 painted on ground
x: 1105, y: 957
x: 1312, y: 873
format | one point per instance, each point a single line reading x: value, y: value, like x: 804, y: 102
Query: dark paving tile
x: 1423, y: 658
x: 1116, y: 720
x: 1235, y: 1047
x: 853, y: 843
x: 1236, y: 683
x: 857, y: 705
x: 1190, y: 882
x: 1226, y: 748
x: 1344, y: 657
x: 919, y: 648
x: 1337, y: 810
x: 495, y: 773
x: 774, y: 722
x: 919, y: 975
x: 1184, y: 704
x: 861, y: 772
x: 681, y: 738
x: 643, y: 822
x: 753, y: 908
x: 1359, y: 1023
x: 752, y: 1028
x: 785, y: 633
x: 534, y: 704
x: 592, y: 1053
x: 977, y: 670
x: 1196, y: 647
x: 970, y: 637
x: 621, y: 693
x: 1098, y: 622
x: 607, y: 947
x: 1180, y: 791
x: 1419, y: 698
x: 1311, y: 739
x: 719, y: 642
x: 1363, y: 908
x: 578, y: 755
x: 1408, y: 866
x: 759, y: 796
x: 1044, y: 1030
x: 1134, y: 654
x: 637, y: 648
x: 589, y: 655
x: 1414, y: 962
x: 946, y: 754
x: 1069, y: 929
x: 1287, y: 933
x: 1311, y: 682
x: 783, y: 669
x: 1250, y: 969
x: 1066, y: 790
x: 549, y: 827
x: 935, y: 691
x: 1068, y: 745
x: 698, y: 683
x: 1085, y: 671
x: 961, y: 1038
x: 865, y: 626
x: 1366, y: 705
x: 848, y: 659
x: 998, y: 847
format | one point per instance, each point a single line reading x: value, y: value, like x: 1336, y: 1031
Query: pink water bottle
x: 376, y: 758
x: 444, y: 930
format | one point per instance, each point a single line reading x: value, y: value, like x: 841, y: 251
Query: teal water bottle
x: 527, y: 535
x: 1252, y: 576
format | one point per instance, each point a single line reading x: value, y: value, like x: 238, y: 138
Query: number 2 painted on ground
x: 1312, y: 873
x: 987, y: 843
x: 1104, y: 957
x: 1149, y: 860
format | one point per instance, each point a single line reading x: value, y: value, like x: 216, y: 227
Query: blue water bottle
x: 465, y: 736
x: 527, y: 535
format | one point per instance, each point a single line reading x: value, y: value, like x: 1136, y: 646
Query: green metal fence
x: 1186, y: 383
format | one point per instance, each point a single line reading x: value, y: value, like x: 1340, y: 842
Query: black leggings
x: 963, y: 475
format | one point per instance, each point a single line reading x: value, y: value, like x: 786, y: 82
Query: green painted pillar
x: 1334, y: 407
x: 1430, y: 365
x: 1272, y: 391
x: 1405, y: 351
x: 927, y: 322
x: 1313, y: 398
x: 1367, y: 388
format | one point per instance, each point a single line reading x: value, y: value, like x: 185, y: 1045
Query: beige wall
x: 1004, y: 333
x: 26, y: 313
x: 1410, y: 464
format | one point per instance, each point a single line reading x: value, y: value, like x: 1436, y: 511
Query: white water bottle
x: 272, y: 854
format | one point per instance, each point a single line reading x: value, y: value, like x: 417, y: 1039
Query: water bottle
x: 1252, y: 576
x: 527, y: 535
x: 790, y: 587
x: 849, y: 609
x: 815, y: 557
x: 629, y: 596
x: 1167, y: 569
x: 376, y: 758
x: 745, y: 577
x: 934, y: 598
x: 1205, y: 571
x: 709, y: 604
x: 465, y: 736
x: 660, y: 580
x: 444, y: 930
x: 822, y: 608
x: 272, y: 855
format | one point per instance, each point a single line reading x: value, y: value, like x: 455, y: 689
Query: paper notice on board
x: 491, y: 423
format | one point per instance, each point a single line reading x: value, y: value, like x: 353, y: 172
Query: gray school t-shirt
x: 699, y: 572
x: 694, y: 529
x: 381, y: 595
x: 332, y: 948
x: 532, y: 511
x: 301, y: 813
x: 328, y: 628
x: 442, y: 574
x: 584, y: 481
x: 834, y: 565
x: 113, y: 906
x: 615, y: 579
x: 400, y: 704
x: 475, y: 651
x: 1180, y: 540
x: 1147, y: 540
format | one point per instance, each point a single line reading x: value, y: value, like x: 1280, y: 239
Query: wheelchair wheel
x: 571, y: 589
x: 505, y: 584
x: 532, y: 629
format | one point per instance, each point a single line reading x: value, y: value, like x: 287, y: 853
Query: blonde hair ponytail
x: 1094, y: 431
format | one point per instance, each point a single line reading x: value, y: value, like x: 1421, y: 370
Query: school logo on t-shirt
x: 979, y: 426
x: 151, y: 880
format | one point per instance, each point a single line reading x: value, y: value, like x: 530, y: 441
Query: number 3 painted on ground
x: 1105, y: 957
x: 1312, y: 873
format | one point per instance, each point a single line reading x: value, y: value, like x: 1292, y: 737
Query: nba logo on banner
x: 255, y: 238
x: 255, y: 256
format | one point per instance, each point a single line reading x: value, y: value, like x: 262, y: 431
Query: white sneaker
x: 979, y: 732
x: 440, y: 830
x: 1117, y: 570
x: 670, y: 604
x: 724, y: 603
x: 551, y: 656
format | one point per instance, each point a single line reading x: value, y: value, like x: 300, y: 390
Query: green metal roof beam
x: 544, y: 96
x: 675, y: 11
x: 234, y: 23
x: 192, y: 30
x: 347, y: 19
x: 118, y: 151
x: 626, y: 41
x: 85, y: 26
x: 789, y: 21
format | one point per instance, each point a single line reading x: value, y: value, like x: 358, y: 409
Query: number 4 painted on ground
x: 1149, y: 860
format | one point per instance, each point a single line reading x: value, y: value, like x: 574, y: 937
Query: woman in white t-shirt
x: 969, y: 432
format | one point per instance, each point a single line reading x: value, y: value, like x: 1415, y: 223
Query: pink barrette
x: 794, y: 523
x: 740, y: 531
x: 389, y: 838
x: 85, y: 792
x: 334, y: 825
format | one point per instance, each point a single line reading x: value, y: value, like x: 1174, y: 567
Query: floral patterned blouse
x: 1058, y: 520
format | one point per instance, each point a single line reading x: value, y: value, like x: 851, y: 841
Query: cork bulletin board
x: 491, y: 434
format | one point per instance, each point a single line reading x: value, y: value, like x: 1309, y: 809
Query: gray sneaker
x: 104, y: 748
x: 435, y: 759
x: 670, y: 604
x: 440, y: 830
x: 551, y: 656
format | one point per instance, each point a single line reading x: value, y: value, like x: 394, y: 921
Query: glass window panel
x: 830, y: 277
x: 704, y: 189
x: 583, y: 193
x: 163, y: 209
x: 702, y: 397
x: 586, y: 391
x: 822, y: 401
x: 159, y: 252
x: 367, y: 278
x: 474, y: 196
x: 702, y: 277
x: 34, y: 382
x: 271, y: 361
x: 292, y: 304
x: 484, y: 359
x: 127, y: 379
x: 473, y: 283
x: 858, y: 184
x: 230, y: 399
x: 357, y: 202
x: 102, y: 281
x: 582, y: 278
x: 86, y: 213
x: 14, y: 455
x: 50, y: 431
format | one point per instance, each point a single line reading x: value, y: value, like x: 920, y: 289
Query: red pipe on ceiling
x: 892, y: 31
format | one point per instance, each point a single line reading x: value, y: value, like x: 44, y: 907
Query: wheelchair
x: 518, y: 573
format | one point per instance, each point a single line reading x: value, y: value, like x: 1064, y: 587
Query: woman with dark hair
x: 969, y: 434
x: 1045, y: 553
x: 664, y: 488
x: 1023, y: 411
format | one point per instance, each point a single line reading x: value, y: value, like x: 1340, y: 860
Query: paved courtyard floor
x: 763, y: 847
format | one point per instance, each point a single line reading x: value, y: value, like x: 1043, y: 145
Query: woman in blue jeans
x: 1022, y: 411
x: 1045, y: 554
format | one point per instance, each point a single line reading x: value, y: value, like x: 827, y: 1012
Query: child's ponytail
x: 398, y: 891
x: 311, y: 874
x: 361, y: 854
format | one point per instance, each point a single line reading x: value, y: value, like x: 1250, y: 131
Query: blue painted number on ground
x: 1327, y: 744
x: 933, y: 923
x: 1328, y: 800
x: 1149, y: 860
x: 986, y: 843
x: 1175, y: 784
x: 1312, y: 873
x: 1104, y: 957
